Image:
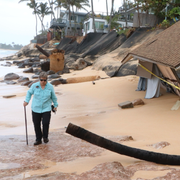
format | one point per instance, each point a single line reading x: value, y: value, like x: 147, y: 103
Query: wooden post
x: 42, y: 51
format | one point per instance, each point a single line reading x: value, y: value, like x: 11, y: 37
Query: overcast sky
x: 17, y: 23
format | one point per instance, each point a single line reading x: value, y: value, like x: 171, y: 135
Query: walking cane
x: 26, y: 124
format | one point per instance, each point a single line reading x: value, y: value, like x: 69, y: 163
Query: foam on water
x: 4, y: 69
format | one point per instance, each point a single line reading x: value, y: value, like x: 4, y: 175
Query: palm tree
x: 58, y: 5
x: 33, y: 5
x: 92, y: 9
x: 107, y: 7
x: 111, y: 14
x: 43, y: 10
x: 92, y: 138
x: 79, y: 4
x: 51, y: 6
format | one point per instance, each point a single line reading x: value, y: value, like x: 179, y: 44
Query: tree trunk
x: 111, y: 15
x: 51, y: 6
x: 42, y: 51
x: 36, y: 24
x: 122, y: 149
x: 93, y: 16
x: 107, y: 7
x: 125, y: 12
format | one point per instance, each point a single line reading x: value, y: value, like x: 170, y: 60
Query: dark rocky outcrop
x: 29, y: 70
x: 11, y: 76
x: 23, y: 79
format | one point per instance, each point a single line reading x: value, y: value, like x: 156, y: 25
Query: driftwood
x: 122, y: 149
x: 42, y: 51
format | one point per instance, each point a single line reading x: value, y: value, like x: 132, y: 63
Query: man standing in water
x: 44, y: 95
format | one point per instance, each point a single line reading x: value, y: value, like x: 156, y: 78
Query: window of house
x: 74, y: 18
x: 88, y: 25
x: 99, y: 25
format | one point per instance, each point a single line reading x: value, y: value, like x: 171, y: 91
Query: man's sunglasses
x: 43, y: 80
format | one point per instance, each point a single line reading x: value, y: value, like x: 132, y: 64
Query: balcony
x: 58, y: 23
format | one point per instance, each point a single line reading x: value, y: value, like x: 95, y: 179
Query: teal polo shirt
x: 42, y: 98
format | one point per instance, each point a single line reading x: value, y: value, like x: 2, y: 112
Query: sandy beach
x: 95, y: 108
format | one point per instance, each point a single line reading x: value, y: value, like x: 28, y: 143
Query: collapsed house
x: 159, y: 60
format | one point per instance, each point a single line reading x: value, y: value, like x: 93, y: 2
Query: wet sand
x: 95, y: 108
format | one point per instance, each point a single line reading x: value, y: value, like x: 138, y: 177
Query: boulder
x: 26, y: 83
x: 10, y: 82
x: 55, y: 82
x: 32, y: 82
x: 53, y: 76
x: 23, y: 79
x: 80, y: 64
x: 11, y: 76
x: 35, y: 76
x: 45, y: 66
x: 138, y: 102
x: 50, y: 72
x: 29, y: 70
x: 127, y: 104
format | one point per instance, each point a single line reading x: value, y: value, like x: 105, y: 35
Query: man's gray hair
x: 43, y: 75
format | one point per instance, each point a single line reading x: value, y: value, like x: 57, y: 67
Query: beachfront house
x: 101, y: 23
x: 133, y: 18
x: 63, y: 23
x: 159, y: 62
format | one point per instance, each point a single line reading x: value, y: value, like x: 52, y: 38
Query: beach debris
x: 9, y: 96
x: 42, y: 51
x: 11, y: 76
x: 23, y: 79
x: 176, y: 105
x: 29, y: 70
x: 160, y: 145
x: 82, y: 79
x: 93, y: 82
x: 127, y: 104
x: 57, y: 60
x: 138, y: 102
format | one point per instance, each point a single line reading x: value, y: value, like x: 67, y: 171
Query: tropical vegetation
x: 164, y: 9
